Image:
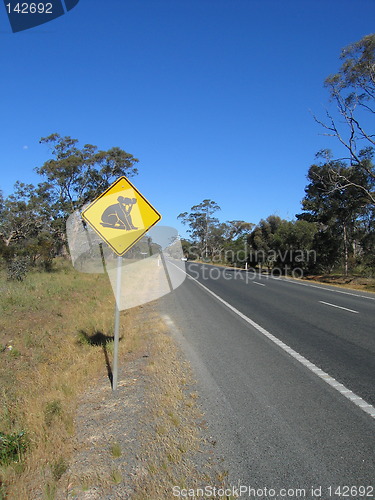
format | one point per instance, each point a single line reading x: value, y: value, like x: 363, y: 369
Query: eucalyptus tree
x: 75, y: 176
x: 201, y: 223
x: 352, y: 89
x: 32, y: 219
x: 338, y: 212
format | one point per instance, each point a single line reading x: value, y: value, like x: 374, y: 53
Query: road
x: 286, y: 372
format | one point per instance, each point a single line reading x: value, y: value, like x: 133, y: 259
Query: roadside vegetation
x: 334, y: 235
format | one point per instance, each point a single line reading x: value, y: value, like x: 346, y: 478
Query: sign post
x: 117, y: 325
x: 120, y: 216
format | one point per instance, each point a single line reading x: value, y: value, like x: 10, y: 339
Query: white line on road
x: 256, y: 283
x: 323, y: 288
x: 347, y: 393
x: 339, y: 307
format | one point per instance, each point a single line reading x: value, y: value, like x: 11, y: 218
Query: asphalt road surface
x: 286, y: 372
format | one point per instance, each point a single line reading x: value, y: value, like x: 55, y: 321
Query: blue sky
x: 213, y: 96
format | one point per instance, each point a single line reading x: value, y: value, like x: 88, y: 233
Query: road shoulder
x: 152, y: 435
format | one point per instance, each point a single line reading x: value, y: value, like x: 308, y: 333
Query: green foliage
x: 15, y: 353
x: 201, y: 224
x: 32, y: 219
x: 116, y: 476
x: 339, y: 213
x: 367, y: 259
x: 116, y: 450
x: 12, y: 447
x: 212, y: 239
x: 293, y: 245
x: 262, y: 239
x: 356, y: 74
x: 76, y: 176
x: 17, y: 268
x: 281, y: 244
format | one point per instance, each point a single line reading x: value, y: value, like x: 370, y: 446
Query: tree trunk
x: 9, y: 239
x: 345, y: 251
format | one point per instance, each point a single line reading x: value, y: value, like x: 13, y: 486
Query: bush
x: 12, y: 446
x: 17, y: 268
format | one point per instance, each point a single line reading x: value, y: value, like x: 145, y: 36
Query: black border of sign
x: 103, y: 194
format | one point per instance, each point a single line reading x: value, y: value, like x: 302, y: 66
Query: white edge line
x: 323, y: 288
x: 339, y: 307
x: 347, y: 393
x: 256, y: 283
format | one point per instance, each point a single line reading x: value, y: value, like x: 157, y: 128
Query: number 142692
x: 30, y: 8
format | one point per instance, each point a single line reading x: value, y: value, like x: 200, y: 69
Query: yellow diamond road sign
x: 121, y: 215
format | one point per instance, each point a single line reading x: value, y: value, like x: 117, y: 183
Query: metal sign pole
x: 166, y: 271
x: 117, y: 324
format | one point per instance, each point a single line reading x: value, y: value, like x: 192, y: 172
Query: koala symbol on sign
x: 118, y: 216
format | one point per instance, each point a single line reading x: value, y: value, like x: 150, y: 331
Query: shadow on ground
x: 99, y: 339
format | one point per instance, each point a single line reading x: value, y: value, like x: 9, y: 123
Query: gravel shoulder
x: 149, y: 437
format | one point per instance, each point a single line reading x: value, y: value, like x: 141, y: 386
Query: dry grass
x: 47, y: 325
x: 172, y: 439
x: 351, y: 282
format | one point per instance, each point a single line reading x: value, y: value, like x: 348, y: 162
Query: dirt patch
x: 107, y: 444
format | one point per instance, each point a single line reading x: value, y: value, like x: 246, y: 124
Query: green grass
x: 116, y: 450
x: 116, y: 476
x: 12, y: 447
